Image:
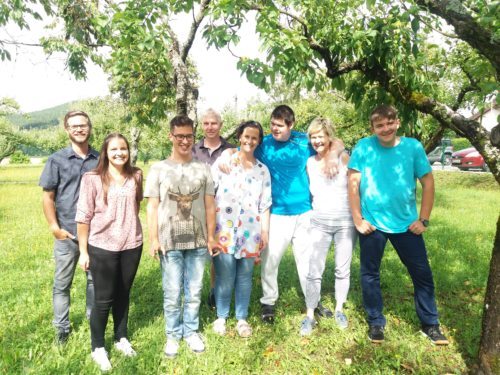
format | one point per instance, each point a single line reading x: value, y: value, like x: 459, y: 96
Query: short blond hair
x: 321, y: 123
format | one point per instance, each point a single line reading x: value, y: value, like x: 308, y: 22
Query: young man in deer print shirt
x: 181, y: 223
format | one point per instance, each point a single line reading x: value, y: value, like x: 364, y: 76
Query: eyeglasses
x: 78, y: 127
x: 181, y: 137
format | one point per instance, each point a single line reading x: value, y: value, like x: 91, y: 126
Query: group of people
x: 236, y: 206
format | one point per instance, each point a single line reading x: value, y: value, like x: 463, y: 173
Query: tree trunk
x: 135, y: 136
x: 489, y: 347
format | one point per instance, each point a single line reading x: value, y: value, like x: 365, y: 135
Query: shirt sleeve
x: 210, y: 186
x: 420, y: 162
x: 86, y: 201
x: 266, y: 197
x: 49, y: 179
x: 355, y: 162
x: 215, y: 173
x: 152, y: 189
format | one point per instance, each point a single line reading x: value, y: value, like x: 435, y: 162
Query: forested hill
x: 43, y: 119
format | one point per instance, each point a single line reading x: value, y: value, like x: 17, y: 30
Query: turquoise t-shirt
x: 287, y: 163
x: 388, y: 181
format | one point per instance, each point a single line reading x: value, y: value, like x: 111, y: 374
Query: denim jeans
x: 411, y: 250
x: 66, y: 256
x: 232, y: 273
x: 182, y: 270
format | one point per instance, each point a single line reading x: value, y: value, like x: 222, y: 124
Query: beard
x: 79, y: 140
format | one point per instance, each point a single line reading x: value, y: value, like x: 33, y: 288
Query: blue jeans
x: 411, y: 250
x: 66, y: 254
x: 182, y: 270
x: 232, y: 273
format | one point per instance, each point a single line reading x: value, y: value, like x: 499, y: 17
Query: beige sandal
x: 243, y: 329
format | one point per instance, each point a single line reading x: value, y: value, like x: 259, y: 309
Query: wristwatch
x: 424, y: 222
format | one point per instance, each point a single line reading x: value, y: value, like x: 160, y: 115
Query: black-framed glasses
x: 76, y: 127
x: 181, y: 137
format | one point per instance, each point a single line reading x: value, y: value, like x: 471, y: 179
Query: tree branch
x: 466, y: 27
x: 194, y: 28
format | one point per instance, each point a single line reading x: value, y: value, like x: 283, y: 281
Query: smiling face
x: 78, y: 129
x: 386, y: 130
x: 182, y: 138
x: 280, y: 130
x: 117, y: 152
x: 249, y: 140
x: 320, y: 142
x: 211, y: 127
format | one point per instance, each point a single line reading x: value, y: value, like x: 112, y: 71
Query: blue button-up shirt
x: 62, y: 174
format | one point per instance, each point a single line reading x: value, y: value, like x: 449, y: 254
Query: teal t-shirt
x: 388, y: 181
x: 287, y: 163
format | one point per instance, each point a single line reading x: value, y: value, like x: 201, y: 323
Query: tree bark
x: 489, y: 347
x: 135, y: 136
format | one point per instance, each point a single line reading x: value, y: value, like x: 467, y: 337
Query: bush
x: 18, y: 157
x: 460, y: 143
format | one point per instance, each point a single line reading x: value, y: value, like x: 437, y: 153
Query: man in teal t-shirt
x: 382, y: 191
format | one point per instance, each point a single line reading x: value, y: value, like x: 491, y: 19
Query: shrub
x: 460, y: 143
x: 18, y: 157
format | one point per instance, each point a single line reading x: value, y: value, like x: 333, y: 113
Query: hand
x: 417, y: 227
x: 62, y: 234
x: 213, y: 248
x: 155, y: 248
x: 225, y: 160
x: 84, y: 261
x: 364, y: 227
x: 264, y: 240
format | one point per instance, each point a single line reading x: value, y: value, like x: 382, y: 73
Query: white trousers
x: 283, y: 230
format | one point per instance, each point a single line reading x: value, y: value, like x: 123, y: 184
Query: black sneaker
x: 434, y: 334
x: 323, y: 312
x: 267, y: 313
x: 211, y: 299
x: 376, y: 334
x: 62, y: 337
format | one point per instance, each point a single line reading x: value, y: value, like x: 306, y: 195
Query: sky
x: 37, y: 81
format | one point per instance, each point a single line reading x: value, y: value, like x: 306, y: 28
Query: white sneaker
x: 100, y: 356
x: 219, y: 326
x: 195, y: 343
x: 171, y: 348
x: 125, y: 347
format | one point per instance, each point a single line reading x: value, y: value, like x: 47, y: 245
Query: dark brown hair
x: 285, y: 113
x: 180, y: 120
x: 103, y: 167
x: 250, y: 124
x: 383, y: 111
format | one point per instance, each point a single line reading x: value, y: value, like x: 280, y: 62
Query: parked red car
x: 468, y: 158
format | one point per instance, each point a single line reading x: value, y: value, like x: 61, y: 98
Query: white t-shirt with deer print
x: 181, y: 188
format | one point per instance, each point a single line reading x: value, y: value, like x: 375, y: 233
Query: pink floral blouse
x: 114, y: 226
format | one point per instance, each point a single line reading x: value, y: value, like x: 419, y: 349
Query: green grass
x: 459, y: 244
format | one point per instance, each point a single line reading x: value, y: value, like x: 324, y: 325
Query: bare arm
x: 362, y: 225
x: 331, y: 167
x: 264, y: 231
x: 224, y: 160
x: 82, y: 231
x: 49, y: 210
x: 210, y: 216
x: 152, y: 219
x: 427, y: 183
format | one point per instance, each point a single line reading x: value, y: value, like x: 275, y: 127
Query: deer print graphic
x: 184, y: 231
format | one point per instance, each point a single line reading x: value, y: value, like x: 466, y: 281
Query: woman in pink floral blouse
x: 110, y: 241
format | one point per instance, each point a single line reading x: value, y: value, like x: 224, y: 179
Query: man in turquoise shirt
x: 382, y: 192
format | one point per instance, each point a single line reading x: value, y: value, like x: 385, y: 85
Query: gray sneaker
x: 306, y: 327
x: 341, y: 320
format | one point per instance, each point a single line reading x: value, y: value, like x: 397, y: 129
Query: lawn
x: 459, y: 243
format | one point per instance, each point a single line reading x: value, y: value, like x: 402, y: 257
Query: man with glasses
x: 60, y: 181
x: 181, y: 223
x: 207, y: 150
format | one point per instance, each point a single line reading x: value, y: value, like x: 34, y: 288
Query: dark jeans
x: 113, y: 273
x: 412, y: 252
